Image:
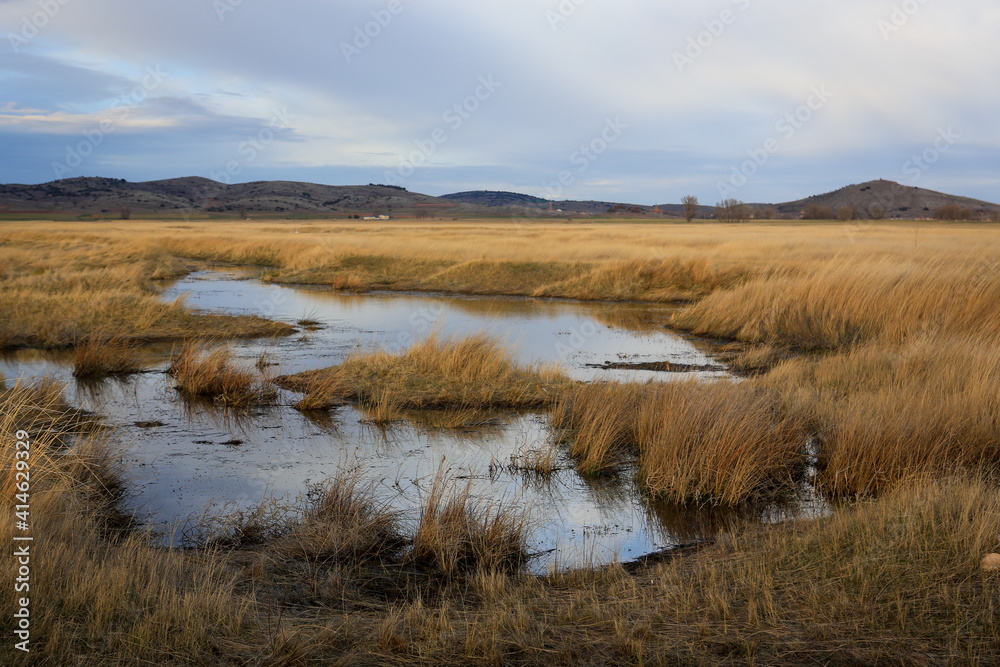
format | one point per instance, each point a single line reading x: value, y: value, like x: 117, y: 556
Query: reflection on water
x: 184, y: 455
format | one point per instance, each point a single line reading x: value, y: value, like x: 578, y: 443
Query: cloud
x: 369, y: 82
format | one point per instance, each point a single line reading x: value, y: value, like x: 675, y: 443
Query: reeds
x: 694, y: 442
x: 539, y: 460
x: 214, y: 375
x: 854, y: 300
x: 884, y: 414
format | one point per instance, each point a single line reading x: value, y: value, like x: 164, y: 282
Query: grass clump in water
x: 475, y: 372
x: 100, y: 357
x: 215, y: 375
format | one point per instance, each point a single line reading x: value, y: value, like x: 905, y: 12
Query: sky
x: 623, y: 100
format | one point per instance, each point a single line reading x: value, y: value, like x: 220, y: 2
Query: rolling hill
x: 898, y: 201
x: 109, y: 197
x: 195, y: 195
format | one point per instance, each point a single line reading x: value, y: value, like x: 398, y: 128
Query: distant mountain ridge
x: 196, y: 195
x: 97, y: 196
x: 895, y: 200
x: 496, y: 198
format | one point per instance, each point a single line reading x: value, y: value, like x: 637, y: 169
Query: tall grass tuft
x: 344, y: 522
x: 884, y: 414
x: 474, y: 372
x: 99, y: 357
x: 458, y: 534
x: 722, y: 442
x: 215, y: 375
x: 325, y: 392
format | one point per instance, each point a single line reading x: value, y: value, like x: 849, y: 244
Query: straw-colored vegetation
x: 877, y: 341
x: 213, y: 374
x: 103, y: 356
x: 470, y: 373
x: 792, y: 298
x: 58, y: 288
x: 895, y: 579
x: 698, y: 442
x: 458, y: 533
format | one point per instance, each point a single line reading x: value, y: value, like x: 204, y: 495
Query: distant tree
x: 845, y: 213
x: 817, y: 212
x: 953, y: 212
x: 125, y: 213
x: 876, y: 212
x: 731, y: 210
x: 690, y: 207
x: 770, y: 213
x: 242, y: 210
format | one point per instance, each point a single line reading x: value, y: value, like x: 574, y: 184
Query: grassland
x: 342, y: 581
x: 879, y: 342
x: 75, y: 287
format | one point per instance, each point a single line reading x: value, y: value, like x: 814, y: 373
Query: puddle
x: 185, y: 456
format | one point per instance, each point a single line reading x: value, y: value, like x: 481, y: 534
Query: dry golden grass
x: 895, y: 579
x: 100, y: 357
x: 856, y: 299
x: 470, y: 373
x: 61, y: 288
x: 880, y: 339
x: 886, y: 413
x: 459, y: 534
x: 345, y: 521
x: 781, y: 290
x: 722, y: 443
x: 99, y: 594
x: 213, y: 374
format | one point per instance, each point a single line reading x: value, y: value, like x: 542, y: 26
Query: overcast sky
x: 623, y: 100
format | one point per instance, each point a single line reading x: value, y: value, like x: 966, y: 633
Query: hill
x: 515, y: 202
x: 194, y: 195
x: 496, y: 198
x: 896, y: 200
x: 200, y: 196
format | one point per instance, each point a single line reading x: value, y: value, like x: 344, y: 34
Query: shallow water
x: 197, y: 458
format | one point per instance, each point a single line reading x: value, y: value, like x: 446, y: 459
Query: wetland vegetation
x: 870, y: 372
